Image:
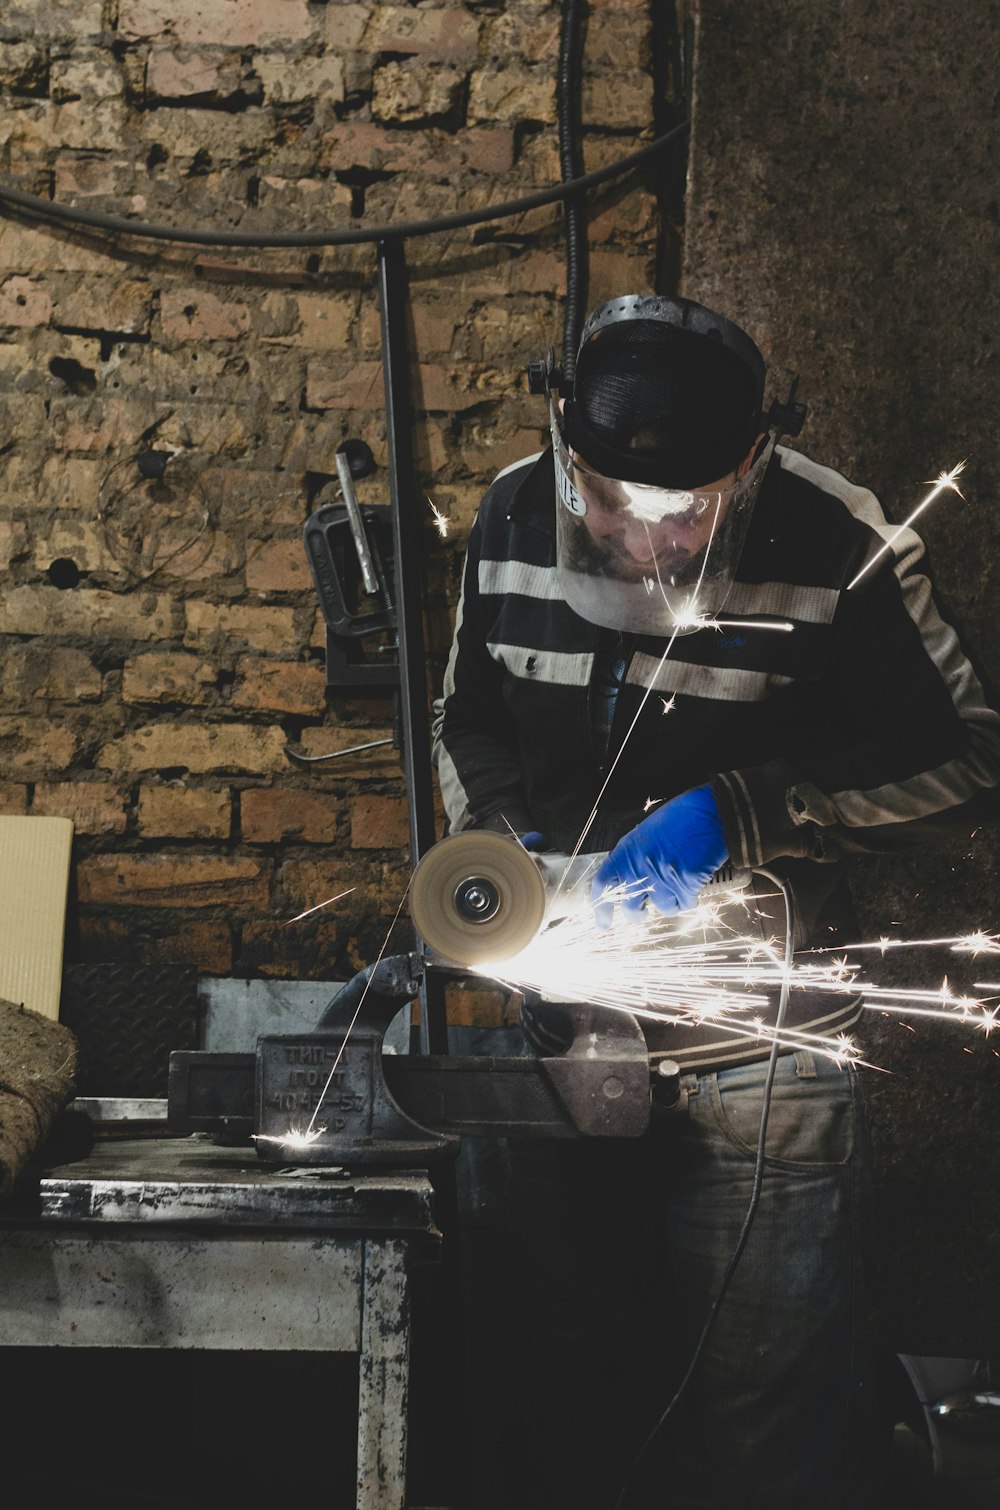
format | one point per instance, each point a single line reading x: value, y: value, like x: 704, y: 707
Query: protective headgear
x: 651, y: 515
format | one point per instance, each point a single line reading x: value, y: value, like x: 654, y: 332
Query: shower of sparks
x: 441, y: 521
x: 944, y: 482
x: 319, y: 906
x: 697, y: 968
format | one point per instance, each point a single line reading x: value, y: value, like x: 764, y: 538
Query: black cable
x: 751, y: 1211
x: 571, y: 165
x: 48, y: 209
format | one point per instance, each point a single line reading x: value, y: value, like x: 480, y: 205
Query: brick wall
x: 162, y: 642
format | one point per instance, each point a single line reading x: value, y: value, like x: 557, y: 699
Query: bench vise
x: 334, y: 1097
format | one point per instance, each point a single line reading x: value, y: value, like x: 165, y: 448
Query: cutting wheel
x: 477, y: 897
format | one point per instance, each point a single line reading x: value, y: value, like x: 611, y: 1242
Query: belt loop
x: 805, y: 1065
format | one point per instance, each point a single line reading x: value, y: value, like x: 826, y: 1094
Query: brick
x: 49, y: 611
x: 345, y: 26
x: 522, y: 33
x: 13, y: 799
x: 260, y: 628
x: 309, y: 883
x: 226, y: 23
x: 105, y: 305
x: 379, y: 822
x: 360, y: 387
x: 325, y: 320
x: 619, y: 98
x: 56, y: 21
x: 279, y: 686
x: 273, y: 815
x: 445, y: 33
x: 96, y: 807
x: 415, y: 92
x: 306, y: 951
x: 30, y: 747
x: 289, y: 80
x: 480, y: 149
x: 227, y: 137
x: 34, y: 249
x: 172, y: 880
x: 278, y: 566
x: 57, y: 673
x: 199, y: 315
x: 196, y: 748
x: 520, y: 95
x: 85, y: 74
x: 382, y: 761
x: 206, y: 943
x: 84, y: 125
x: 163, y: 676
x: 182, y: 812
x: 189, y: 73
x: 23, y: 303
x: 434, y: 326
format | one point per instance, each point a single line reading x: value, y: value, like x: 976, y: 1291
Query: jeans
x: 590, y: 1268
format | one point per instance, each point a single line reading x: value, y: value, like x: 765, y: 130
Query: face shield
x: 645, y: 559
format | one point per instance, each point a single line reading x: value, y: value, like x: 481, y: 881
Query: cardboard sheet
x: 34, y: 880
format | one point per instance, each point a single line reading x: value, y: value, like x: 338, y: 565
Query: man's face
x: 639, y: 533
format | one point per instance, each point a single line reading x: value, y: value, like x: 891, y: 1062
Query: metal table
x: 161, y: 1242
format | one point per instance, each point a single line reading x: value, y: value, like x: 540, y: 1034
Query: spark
x: 669, y: 703
x: 295, y: 1139
x: 944, y: 482
x: 975, y: 943
x: 319, y: 906
x: 650, y: 803
x: 441, y: 521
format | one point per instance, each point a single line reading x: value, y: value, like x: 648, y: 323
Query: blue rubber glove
x: 533, y: 841
x: 675, y: 851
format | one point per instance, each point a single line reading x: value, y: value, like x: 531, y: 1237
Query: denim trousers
x: 590, y: 1267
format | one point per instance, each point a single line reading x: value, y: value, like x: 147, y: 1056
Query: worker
x: 688, y: 645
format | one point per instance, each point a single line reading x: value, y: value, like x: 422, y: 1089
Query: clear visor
x: 645, y: 559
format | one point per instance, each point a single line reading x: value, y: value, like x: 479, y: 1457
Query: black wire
x: 47, y: 209
x: 571, y: 163
x: 751, y: 1211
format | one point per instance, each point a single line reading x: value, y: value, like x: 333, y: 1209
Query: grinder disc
x: 477, y: 897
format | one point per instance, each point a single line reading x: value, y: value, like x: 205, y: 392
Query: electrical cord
x: 570, y: 162
x: 47, y: 209
x: 751, y: 1211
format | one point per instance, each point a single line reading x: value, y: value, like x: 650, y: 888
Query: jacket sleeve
x: 475, y: 744
x: 910, y: 748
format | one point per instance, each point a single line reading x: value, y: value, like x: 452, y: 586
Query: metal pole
x: 408, y: 548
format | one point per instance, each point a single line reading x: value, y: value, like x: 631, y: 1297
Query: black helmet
x: 665, y: 392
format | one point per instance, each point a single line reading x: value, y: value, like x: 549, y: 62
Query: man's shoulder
x: 521, y: 493
x: 805, y: 481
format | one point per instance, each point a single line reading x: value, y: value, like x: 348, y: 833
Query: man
x: 666, y: 605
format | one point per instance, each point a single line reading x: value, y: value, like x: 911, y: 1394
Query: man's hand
x: 674, y: 851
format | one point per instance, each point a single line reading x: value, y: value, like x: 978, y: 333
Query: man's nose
x: 638, y: 542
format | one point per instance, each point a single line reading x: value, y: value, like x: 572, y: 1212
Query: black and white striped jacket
x: 865, y: 729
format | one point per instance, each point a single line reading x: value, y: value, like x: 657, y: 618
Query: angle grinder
x: 477, y: 897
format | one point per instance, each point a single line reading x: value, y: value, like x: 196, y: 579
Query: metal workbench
x: 164, y: 1242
